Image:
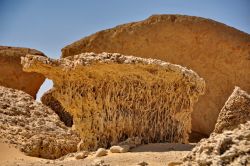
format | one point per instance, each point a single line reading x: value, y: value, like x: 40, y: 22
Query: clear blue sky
x: 49, y: 25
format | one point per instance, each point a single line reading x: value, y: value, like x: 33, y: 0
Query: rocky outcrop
x: 229, y: 144
x: 11, y: 73
x: 48, y: 100
x: 113, y: 97
x: 33, y: 127
x: 227, y: 148
x: 235, y: 111
x: 218, y: 53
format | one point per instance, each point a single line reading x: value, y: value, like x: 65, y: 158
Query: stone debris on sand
x: 231, y: 147
x: 119, y: 149
x: 101, y: 152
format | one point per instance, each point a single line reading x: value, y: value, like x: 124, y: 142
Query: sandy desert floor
x: 153, y: 154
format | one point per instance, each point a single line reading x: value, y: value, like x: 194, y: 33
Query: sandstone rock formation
x: 48, y: 100
x: 235, y: 111
x: 218, y: 53
x: 11, y: 73
x: 113, y: 97
x: 33, y: 127
x: 227, y: 148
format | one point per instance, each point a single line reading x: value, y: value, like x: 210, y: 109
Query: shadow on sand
x: 163, y: 147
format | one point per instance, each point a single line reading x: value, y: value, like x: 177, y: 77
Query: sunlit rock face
x: 113, y: 97
x: 235, y: 111
x: 231, y: 147
x: 32, y: 127
x: 218, y: 53
x: 11, y: 73
x: 229, y: 144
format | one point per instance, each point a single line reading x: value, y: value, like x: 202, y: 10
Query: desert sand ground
x: 154, y: 154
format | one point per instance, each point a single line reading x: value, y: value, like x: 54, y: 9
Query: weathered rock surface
x: 131, y: 142
x: 81, y: 155
x: 235, y: 111
x: 11, y: 73
x: 227, y: 148
x: 113, y: 97
x: 119, y: 149
x: 48, y: 100
x: 218, y: 53
x: 101, y: 152
x: 33, y: 127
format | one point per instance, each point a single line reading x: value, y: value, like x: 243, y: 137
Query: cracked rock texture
x: 32, y: 127
x: 218, y: 53
x: 113, y: 97
x: 231, y: 147
x: 235, y: 111
x: 11, y: 73
x: 48, y: 100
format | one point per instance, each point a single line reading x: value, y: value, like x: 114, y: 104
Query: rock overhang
x: 113, y: 96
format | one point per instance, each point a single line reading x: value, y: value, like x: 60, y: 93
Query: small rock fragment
x: 101, y: 152
x: 120, y: 149
x: 81, y: 155
x: 99, y: 163
x: 143, y: 163
x: 174, y: 163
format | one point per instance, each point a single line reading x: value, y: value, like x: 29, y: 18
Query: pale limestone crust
x: 235, y: 111
x: 113, y: 97
x: 230, y: 147
x: 33, y: 127
x: 218, y: 53
x: 11, y: 73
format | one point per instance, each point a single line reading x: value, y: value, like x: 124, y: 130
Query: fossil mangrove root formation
x: 218, y: 53
x: 113, y: 97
